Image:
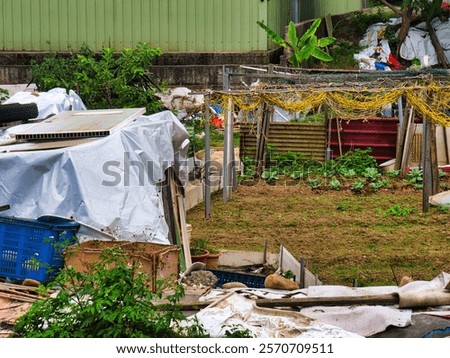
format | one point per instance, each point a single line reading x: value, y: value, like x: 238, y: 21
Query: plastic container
x: 251, y: 280
x: 32, y: 248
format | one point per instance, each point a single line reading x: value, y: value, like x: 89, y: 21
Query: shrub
x: 111, y: 300
x: 105, y: 80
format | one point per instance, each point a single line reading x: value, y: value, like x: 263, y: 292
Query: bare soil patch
x: 371, y: 238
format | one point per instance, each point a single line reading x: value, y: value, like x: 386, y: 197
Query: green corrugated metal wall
x: 312, y: 9
x: 172, y: 25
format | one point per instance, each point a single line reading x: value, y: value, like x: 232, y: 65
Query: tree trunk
x: 442, y: 58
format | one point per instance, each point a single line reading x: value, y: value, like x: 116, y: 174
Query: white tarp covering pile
x: 49, y: 103
x: 182, y: 100
x: 376, y: 48
x: 417, y: 44
x: 110, y: 184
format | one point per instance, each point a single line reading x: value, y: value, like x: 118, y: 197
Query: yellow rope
x: 431, y: 101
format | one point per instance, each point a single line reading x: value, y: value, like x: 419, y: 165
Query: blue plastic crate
x: 251, y: 280
x: 32, y: 248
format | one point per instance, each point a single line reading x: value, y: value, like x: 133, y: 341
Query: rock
x: 30, y: 282
x: 278, y: 282
x: 196, y: 266
x: 405, y: 280
x: 201, y: 278
x: 230, y: 285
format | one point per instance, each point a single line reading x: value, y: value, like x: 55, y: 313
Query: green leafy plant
x: 308, y: 45
x: 297, y: 174
x: 342, y: 206
x: 314, y: 183
x: 334, y: 184
x: 347, y: 173
x: 4, y: 95
x: 270, y: 175
x: 376, y: 185
x: 112, y: 300
x: 358, y: 185
x: 201, y: 244
x: 105, y: 80
x: 415, y: 178
x: 394, y: 173
x: 358, y: 160
x: 237, y: 331
x: 249, y: 168
x: 288, y: 274
x: 397, y: 210
x: 371, y: 174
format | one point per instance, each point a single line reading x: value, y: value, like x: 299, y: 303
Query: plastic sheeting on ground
x: 238, y: 307
x: 376, y: 48
x: 111, y: 184
x: 369, y: 320
x: 49, y: 103
x: 441, y: 199
x: 234, y: 310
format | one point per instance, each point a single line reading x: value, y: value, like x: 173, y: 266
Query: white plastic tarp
x: 374, y: 43
x: 111, y: 184
x: 49, y: 103
x: 234, y: 310
x: 237, y: 307
x: 369, y: 320
x: 418, y: 43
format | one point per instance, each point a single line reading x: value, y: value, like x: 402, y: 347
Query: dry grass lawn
x: 375, y: 238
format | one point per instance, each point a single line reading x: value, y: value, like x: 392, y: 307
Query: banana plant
x: 308, y: 45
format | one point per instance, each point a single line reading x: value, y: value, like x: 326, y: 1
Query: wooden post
x: 302, y: 273
x: 207, y: 182
x: 328, y: 152
x: 434, y: 161
x: 409, y: 134
x: 427, y: 166
x: 227, y: 184
x: 338, y: 128
x: 226, y: 156
x: 261, y: 141
x: 401, y: 135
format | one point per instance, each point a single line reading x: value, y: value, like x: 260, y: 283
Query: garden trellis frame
x: 348, y: 93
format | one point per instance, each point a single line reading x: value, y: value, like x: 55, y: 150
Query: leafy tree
x: 308, y: 45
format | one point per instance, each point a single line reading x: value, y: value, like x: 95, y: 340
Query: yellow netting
x: 431, y: 101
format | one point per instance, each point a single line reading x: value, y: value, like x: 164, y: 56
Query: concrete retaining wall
x: 192, y: 70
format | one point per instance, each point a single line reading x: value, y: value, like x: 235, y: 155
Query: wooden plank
x: 184, y: 235
x: 409, y: 134
x: 169, y: 214
x: 401, y: 139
